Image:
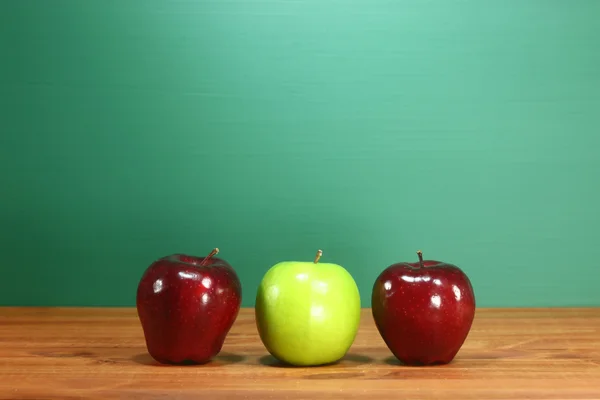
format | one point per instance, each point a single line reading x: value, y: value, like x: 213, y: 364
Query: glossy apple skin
x: 186, y: 310
x: 307, y: 314
x: 423, y: 314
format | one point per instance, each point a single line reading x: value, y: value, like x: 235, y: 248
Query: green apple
x: 307, y: 313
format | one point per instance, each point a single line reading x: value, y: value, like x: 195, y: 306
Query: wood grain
x: 73, y: 353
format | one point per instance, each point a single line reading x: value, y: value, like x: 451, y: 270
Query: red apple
x: 423, y: 310
x: 186, y: 306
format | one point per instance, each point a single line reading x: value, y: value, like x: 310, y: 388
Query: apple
x: 307, y: 313
x: 186, y: 306
x: 423, y: 310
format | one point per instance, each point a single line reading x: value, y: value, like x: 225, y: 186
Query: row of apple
x: 307, y: 313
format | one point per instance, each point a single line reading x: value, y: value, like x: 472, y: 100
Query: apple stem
x: 213, y: 253
x: 318, y: 256
x: 420, y: 254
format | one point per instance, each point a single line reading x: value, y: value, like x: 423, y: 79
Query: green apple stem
x: 213, y: 253
x: 420, y: 254
x: 318, y: 256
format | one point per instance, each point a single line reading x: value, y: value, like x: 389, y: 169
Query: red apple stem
x: 213, y: 253
x: 318, y: 256
x: 420, y: 254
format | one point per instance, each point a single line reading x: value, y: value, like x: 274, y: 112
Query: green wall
x: 368, y: 128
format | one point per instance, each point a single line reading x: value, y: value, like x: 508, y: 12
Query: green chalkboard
x: 368, y: 128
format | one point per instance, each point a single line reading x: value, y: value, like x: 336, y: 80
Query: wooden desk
x: 100, y: 354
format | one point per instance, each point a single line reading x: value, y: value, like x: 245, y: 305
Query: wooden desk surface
x: 100, y: 354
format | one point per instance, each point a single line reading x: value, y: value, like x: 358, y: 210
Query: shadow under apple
x: 270, y: 361
x: 222, y: 358
x: 394, y: 361
x: 358, y: 359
